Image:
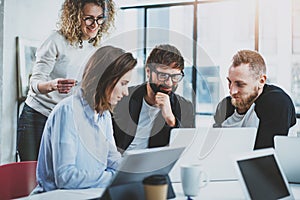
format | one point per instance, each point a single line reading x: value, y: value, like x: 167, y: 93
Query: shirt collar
x: 90, y: 113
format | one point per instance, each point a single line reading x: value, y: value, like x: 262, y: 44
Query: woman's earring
x: 80, y: 43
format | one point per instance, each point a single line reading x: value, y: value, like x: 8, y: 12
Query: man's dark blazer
x: 127, y: 112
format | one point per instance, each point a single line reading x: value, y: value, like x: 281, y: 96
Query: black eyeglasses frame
x: 159, y: 75
x: 95, y: 19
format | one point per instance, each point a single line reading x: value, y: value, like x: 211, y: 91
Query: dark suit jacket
x: 127, y: 112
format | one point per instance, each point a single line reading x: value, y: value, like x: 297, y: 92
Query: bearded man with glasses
x: 145, y: 117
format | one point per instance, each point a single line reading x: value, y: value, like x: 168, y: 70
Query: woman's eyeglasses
x: 91, y: 20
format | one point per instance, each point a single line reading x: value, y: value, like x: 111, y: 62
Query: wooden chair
x: 17, y: 179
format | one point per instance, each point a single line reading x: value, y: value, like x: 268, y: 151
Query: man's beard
x: 158, y: 87
x: 245, y: 103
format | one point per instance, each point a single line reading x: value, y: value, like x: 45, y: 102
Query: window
x: 296, y: 54
x: 208, y: 33
x: 223, y: 28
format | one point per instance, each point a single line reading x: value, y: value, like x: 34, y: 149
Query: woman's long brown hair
x: 102, y: 72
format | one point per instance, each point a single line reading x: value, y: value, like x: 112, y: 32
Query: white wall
x: 1, y: 61
x: 33, y: 20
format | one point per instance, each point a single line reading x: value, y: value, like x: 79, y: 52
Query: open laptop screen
x: 288, y: 152
x: 137, y: 165
x: 212, y: 147
x: 263, y: 178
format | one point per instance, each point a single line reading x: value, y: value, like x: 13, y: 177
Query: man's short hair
x: 165, y: 54
x: 253, y: 58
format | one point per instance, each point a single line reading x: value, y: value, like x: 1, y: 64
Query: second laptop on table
x: 212, y: 148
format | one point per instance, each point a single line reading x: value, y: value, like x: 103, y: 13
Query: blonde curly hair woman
x: 71, y: 24
x: 57, y: 68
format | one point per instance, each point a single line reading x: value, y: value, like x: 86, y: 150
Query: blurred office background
x: 207, y: 33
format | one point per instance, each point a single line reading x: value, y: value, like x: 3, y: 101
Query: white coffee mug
x: 192, y: 179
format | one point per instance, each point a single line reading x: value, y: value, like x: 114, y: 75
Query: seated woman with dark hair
x: 78, y: 148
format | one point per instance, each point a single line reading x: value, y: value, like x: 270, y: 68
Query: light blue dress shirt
x: 77, y: 148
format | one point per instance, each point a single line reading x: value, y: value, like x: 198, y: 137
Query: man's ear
x: 147, y: 71
x: 262, y: 81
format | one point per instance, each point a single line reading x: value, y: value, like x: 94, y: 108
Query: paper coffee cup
x: 155, y: 187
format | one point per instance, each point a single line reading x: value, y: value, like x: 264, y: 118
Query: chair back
x: 17, y: 179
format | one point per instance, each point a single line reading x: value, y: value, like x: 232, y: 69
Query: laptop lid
x: 261, y: 176
x: 288, y: 152
x: 138, y: 164
x: 212, y: 148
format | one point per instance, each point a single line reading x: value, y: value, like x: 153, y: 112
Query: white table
x: 224, y: 190
x: 230, y: 190
x: 219, y: 190
x: 67, y: 194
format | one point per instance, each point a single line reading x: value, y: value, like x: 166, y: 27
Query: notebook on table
x: 288, y: 152
x: 261, y: 176
x: 212, y: 148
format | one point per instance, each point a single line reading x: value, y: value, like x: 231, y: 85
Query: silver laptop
x: 261, y: 176
x: 137, y: 165
x: 288, y: 152
x: 212, y: 148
